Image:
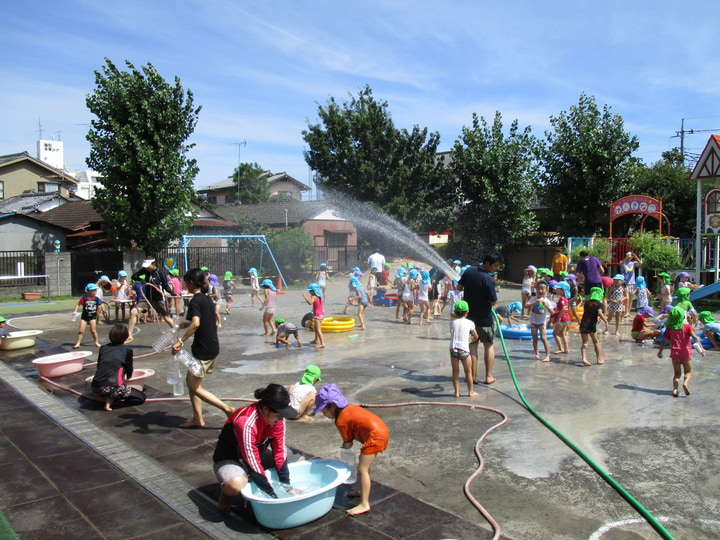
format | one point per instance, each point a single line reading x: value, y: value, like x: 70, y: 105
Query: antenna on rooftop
x: 40, y: 129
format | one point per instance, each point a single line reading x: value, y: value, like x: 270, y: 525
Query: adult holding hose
x: 201, y: 326
x: 252, y: 440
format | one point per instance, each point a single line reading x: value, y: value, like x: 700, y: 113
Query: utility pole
x: 240, y: 145
x: 682, y: 133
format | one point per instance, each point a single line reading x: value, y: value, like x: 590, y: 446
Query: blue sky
x: 259, y: 69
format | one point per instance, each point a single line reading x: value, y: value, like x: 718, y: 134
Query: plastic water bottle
x: 178, y: 388
x: 190, y: 362
x: 164, y: 341
x: 75, y: 316
x: 348, y: 457
x: 173, y: 369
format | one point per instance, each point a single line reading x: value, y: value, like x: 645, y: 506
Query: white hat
x: 147, y: 262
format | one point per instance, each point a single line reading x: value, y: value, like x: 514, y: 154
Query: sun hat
x: 565, y: 288
x: 329, y: 393
x: 228, y: 276
x: 213, y: 280
x: 252, y: 271
x: 571, y: 277
x: 413, y: 274
x: 315, y: 287
x: 279, y: 320
x: 596, y: 293
x: 174, y: 272
x: 323, y: 265
x: 646, y: 310
x: 704, y: 316
x: 147, y: 262
x: 640, y: 283
x: 204, y: 268
x: 123, y: 273
x: 91, y: 287
x: 2, y: 319
x: 683, y: 274
x: 461, y: 306
x: 457, y: 261
x: 104, y: 278
x: 358, y: 273
x: 312, y: 372
x: 619, y: 276
x: 515, y: 306
x: 629, y: 254
x: 267, y: 283
x: 563, y: 274
x: 676, y: 318
x: 387, y: 265
x: 552, y: 284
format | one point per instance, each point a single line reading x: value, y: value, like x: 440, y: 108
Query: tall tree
x: 138, y: 144
x: 495, y: 174
x: 588, y: 163
x: 358, y: 152
x: 251, y: 184
x: 669, y: 180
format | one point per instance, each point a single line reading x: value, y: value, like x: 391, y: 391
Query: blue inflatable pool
x: 518, y: 331
x: 705, y: 342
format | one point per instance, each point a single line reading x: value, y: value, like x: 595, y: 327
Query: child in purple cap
x: 355, y: 424
x: 641, y: 330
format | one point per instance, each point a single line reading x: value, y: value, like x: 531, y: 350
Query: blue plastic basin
x: 319, y: 478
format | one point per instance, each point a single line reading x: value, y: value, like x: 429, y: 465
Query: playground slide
x: 707, y: 290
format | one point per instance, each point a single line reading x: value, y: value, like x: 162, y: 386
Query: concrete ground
x: 662, y: 450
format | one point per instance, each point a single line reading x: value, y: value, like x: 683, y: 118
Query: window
x: 212, y: 200
x: 713, y: 202
x: 2, y: 189
x: 47, y: 187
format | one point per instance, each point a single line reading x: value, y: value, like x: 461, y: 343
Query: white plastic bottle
x: 173, y: 369
x: 190, y: 362
x: 178, y: 387
x: 348, y: 457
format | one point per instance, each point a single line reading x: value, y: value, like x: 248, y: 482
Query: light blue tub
x: 318, y: 478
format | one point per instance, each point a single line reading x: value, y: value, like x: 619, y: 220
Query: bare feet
x: 546, y: 359
x: 321, y: 346
x: 313, y: 342
x: 306, y: 418
x: 457, y: 394
x: 77, y: 345
x: 471, y: 394
x: 490, y: 380
x: 223, y: 504
x: 675, y: 393
x: 359, y: 509
x: 97, y: 344
x: 192, y: 424
x: 601, y: 361
x: 686, y: 389
x: 586, y: 363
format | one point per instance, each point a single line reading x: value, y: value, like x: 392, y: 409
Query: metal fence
x: 22, y: 263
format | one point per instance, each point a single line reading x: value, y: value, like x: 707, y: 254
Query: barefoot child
x: 268, y: 307
x: 114, y: 367
x: 254, y: 287
x: 641, y: 329
x: 302, y: 393
x: 561, y: 319
x: 540, y: 308
x: 355, y: 424
x: 678, y: 334
x: 316, y: 301
x: 284, y: 331
x: 90, y: 304
x: 593, y: 309
x: 461, y: 330
x: 617, y: 300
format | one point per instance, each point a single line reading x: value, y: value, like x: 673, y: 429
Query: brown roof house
x: 225, y: 191
x: 335, y: 237
x: 20, y: 172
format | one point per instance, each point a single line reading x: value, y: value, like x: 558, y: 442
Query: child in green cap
x: 3, y: 331
x: 228, y: 288
x: 462, y: 331
x: 678, y: 334
x: 302, y: 393
x: 592, y: 310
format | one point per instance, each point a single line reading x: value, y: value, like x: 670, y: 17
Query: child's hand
x: 659, y: 354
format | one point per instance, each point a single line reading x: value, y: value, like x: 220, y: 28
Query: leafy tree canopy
x: 138, y: 143
x: 251, y: 184
x: 358, y: 151
x: 669, y: 180
x: 495, y: 174
x: 588, y: 163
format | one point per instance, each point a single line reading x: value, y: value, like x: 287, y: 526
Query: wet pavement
x: 664, y: 451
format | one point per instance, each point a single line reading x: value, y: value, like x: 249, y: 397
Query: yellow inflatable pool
x: 337, y: 324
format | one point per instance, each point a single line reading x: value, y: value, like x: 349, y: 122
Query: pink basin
x: 137, y: 380
x: 57, y: 365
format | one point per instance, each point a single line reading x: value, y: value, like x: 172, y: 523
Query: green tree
x: 358, y: 152
x: 138, y: 144
x: 294, y: 250
x: 668, y: 179
x: 251, y: 184
x: 495, y: 174
x: 587, y: 164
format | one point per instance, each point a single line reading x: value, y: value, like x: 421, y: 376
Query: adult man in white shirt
x: 377, y: 260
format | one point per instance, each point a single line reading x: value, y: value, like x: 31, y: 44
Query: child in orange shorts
x: 355, y: 424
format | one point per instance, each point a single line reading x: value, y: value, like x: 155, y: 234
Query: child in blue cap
x: 90, y: 304
x: 315, y: 299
